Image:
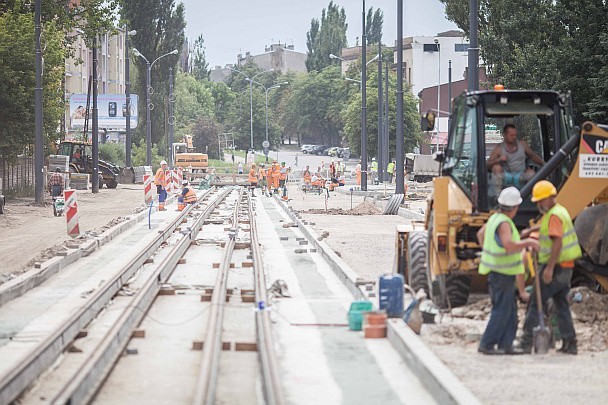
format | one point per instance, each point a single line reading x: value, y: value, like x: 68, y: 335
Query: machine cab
x: 541, y: 119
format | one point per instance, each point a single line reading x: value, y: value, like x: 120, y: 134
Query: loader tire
x: 458, y: 288
x: 111, y: 183
x: 417, y: 277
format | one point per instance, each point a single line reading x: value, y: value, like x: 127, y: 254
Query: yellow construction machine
x: 185, y: 156
x: 442, y: 255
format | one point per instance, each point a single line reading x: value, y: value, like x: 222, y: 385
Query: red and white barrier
x: 148, y: 190
x: 180, y: 176
x: 71, y: 215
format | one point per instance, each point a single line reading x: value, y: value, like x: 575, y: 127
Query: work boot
x: 568, y: 347
x: 526, y: 344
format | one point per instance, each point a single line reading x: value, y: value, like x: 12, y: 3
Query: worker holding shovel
x: 501, y: 260
x: 559, y: 248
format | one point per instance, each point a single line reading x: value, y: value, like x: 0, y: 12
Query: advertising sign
x: 593, y: 157
x: 111, y: 109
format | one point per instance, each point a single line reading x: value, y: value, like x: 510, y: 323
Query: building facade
x: 280, y: 57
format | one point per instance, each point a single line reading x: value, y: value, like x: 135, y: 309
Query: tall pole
x: 438, y: 95
x: 399, y: 151
x: 251, y: 111
x: 148, y: 122
x: 473, y: 48
x: 363, y: 106
x: 385, y: 151
x: 171, y: 117
x: 128, y: 100
x: 449, y: 93
x: 266, y: 91
x: 38, y: 137
x: 95, y: 136
x: 381, y: 162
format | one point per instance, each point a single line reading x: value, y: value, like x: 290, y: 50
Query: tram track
x: 24, y: 373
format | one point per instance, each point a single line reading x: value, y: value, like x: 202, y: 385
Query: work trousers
x: 56, y: 190
x: 162, y: 194
x: 558, y: 289
x: 502, y: 325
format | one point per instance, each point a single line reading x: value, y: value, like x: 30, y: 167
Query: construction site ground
x: 365, y: 240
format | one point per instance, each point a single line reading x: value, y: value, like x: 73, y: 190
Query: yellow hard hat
x: 543, y: 189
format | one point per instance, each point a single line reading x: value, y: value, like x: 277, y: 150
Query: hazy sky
x: 230, y: 27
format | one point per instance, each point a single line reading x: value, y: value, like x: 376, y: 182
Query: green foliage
x: 193, y: 99
x: 326, y: 37
x: 200, y: 67
x: 139, y: 155
x: 17, y: 80
x: 113, y: 153
x: 205, y: 136
x: 544, y: 44
x: 352, y: 117
x: 373, y: 26
x: 314, y: 104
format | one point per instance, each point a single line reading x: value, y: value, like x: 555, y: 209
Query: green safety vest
x: 495, y: 258
x: 374, y: 166
x: 571, y: 249
x: 391, y: 168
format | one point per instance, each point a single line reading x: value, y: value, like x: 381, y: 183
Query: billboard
x: 111, y: 109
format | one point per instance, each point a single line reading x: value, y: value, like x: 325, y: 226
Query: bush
x: 139, y: 156
x: 113, y: 153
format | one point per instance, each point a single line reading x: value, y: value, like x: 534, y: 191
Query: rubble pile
x: 591, y: 319
x: 364, y: 208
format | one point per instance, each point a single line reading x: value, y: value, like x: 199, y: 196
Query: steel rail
x: 205, y: 390
x: 271, y: 384
x: 87, y: 380
x: 14, y: 382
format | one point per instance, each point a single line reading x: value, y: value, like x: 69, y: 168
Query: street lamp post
x: 38, y: 111
x: 381, y: 162
x: 363, y: 105
x: 128, y: 98
x: 148, y: 103
x: 399, y: 152
x: 250, y: 80
x: 438, y: 93
x: 266, y: 90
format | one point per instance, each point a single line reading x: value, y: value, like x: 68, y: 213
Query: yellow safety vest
x: 571, y: 249
x: 495, y: 258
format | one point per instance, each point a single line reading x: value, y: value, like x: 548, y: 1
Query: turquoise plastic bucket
x: 355, y: 314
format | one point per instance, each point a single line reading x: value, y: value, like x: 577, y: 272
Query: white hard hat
x: 509, y: 197
x: 373, y: 159
x: 184, y: 182
x: 163, y: 162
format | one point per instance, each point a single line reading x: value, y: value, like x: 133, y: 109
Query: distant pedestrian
x: 501, y: 260
x: 56, y: 183
x: 559, y: 248
x: 296, y: 159
x: 358, y: 172
x: 232, y: 156
x: 240, y: 168
x: 374, y: 170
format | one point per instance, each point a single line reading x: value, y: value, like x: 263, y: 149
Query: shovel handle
x: 539, y: 301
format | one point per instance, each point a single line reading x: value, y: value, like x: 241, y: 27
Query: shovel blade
x: 541, y: 339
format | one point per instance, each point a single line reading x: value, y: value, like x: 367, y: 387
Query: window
x: 461, y: 47
x: 430, y: 48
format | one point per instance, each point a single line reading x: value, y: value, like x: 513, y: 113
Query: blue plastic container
x: 390, y: 295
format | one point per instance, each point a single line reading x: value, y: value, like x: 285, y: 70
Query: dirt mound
x: 591, y: 319
x: 364, y: 208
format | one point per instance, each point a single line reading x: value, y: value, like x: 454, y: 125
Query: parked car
x: 343, y: 153
x: 307, y: 148
x: 333, y: 151
x: 319, y: 150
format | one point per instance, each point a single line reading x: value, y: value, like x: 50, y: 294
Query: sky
x: 230, y: 27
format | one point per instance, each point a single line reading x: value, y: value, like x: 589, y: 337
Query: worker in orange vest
x: 358, y: 171
x: 269, y: 179
x: 276, y: 173
x: 188, y: 196
x: 160, y: 180
x: 253, y: 179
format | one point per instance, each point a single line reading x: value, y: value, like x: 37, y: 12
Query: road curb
x: 443, y: 385
x: 439, y: 380
x: 43, y: 271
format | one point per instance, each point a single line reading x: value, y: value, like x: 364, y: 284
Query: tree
x: 193, y: 100
x: 160, y: 28
x: 326, y: 37
x: 352, y: 118
x: 314, y: 104
x: 373, y: 26
x: 200, y: 67
x: 17, y: 80
x: 543, y: 44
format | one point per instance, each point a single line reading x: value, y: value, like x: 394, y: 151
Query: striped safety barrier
x: 71, y: 215
x: 148, y: 190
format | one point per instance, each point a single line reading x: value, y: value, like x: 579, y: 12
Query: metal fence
x: 17, y: 178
